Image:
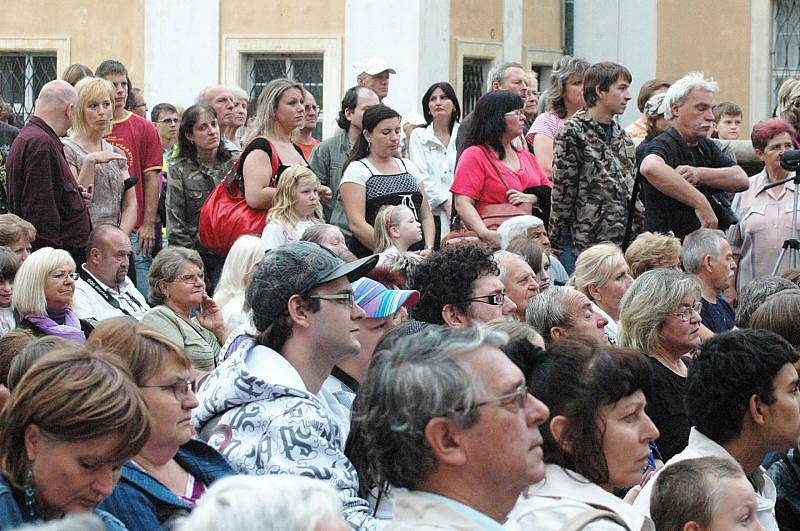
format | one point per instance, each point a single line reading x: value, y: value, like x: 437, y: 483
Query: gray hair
x: 270, y: 503
x: 552, y: 307
x: 754, y: 293
x: 497, y: 74
x: 501, y: 257
x: 70, y: 522
x: 680, y: 90
x: 517, y: 227
x: 689, y: 491
x: 699, y: 244
x: 165, y: 268
x: 239, y: 93
x: 203, y: 98
x: 411, y: 381
x: 647, y: 303
x: 563, y: 69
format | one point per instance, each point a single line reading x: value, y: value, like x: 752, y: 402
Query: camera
x: 790, y: 159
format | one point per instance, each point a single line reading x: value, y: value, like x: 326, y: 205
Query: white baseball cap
x: 374, y: 66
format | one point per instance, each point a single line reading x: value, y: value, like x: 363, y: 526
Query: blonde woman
x: 96, y: 164
x: 71, y: 423
x: 281, y: 110
x: 789, y: 103
x: 602, y: 274
x: 240, y: 265
x: 653, y: 250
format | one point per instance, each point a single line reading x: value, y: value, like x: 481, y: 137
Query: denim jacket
x: 143, y: 502
x: 12, y: 515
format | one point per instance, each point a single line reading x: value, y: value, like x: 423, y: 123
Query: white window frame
x: 475, y: 49
x: 38, y: 45
x: 237, y: 50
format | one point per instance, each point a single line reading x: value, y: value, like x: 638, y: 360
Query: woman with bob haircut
x: 491, y: 171
x: 70, y: 424
x: 563, y: 98
x: 202, y: 162
x: 17, y: 234
x: 780, y: 313
x: 240, y: 266
x: 597, y: 438
x: 373, y: 176
x: 660, y: 317
x: 94, y: 162
x: 653, y: 250
x: 602, y: 274
x: 433, y: 148
x: 765, y: 216
x: 173, y: 470
x: 177, y: 286
x: 281, y: 110
x: 268, y: 503
x: 43, y: 290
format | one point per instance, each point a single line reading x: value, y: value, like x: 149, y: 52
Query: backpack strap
x: 585, y: 518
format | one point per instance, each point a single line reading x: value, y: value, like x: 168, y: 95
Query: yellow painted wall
x: 306, y: 17
x: 695, y: 43
x: 480, y: 20
x: 541, y: 27
x: 119, y: 22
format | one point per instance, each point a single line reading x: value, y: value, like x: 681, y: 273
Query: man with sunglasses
x: 262, y: 408
x: 466, y: 442
x: 103, y: 289
x: 460, y: 287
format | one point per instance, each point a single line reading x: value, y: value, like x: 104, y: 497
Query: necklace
x: 678, y: 367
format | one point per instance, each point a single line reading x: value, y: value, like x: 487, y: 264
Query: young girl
x: 396, y: 229
x: 296, y: 207
x: 9, y: 263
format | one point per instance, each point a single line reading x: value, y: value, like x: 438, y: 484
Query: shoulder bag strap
x: 637, y: 185
x: 496, y: 170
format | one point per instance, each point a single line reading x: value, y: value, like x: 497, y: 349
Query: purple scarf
x: 71, y: 329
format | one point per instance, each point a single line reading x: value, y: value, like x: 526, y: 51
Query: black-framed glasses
x: 686, y: 313
x: 182, y: 389
x: 170, y: 121
x: 518, y: 396
x: 495, y: 299
x: 348, y: 297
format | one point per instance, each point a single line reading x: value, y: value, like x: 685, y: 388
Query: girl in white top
x: 296, y: 207
x: 396, y: 229
x: 9, y: 263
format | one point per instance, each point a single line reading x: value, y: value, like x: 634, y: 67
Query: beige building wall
x: 96, y: 29
x: 474, y: 21
x: 295, y: 17
x: 725, y: 47
x: 542, y: 27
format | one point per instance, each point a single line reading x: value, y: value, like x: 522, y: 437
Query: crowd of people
x: 525, y: 317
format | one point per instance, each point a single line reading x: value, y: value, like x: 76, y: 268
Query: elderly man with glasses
x: 465, y: 444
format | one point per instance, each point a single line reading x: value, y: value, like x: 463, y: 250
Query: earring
x: 30, y: 494
x: 369, y: 145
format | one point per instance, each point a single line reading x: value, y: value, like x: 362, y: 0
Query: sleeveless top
x: 391, y: 189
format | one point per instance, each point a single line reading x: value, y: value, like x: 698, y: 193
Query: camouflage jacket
x: 593, y: 180
x: 188, y: 186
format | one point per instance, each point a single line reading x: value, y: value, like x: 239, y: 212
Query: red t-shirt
x: 476, y: 178
x: 139, y: 140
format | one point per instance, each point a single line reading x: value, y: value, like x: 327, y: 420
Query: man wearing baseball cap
x: 373, y: 72
x: 263, y: 401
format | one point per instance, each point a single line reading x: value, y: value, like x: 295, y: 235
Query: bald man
x: 41, y: 187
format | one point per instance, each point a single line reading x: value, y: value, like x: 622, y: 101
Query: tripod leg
x: 780, y: 260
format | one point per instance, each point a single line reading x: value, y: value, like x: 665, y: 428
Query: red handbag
x: 225, y: 215
x: 495, y: 214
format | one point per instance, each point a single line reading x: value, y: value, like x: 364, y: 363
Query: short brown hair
x: 13, y: 227
x: 780, y: 313
x: 143, y: 350
x: 651, y: 250
x: 10, y: 345
x: 649, y: 88
x: 73, y: 395
x: 602, y: 75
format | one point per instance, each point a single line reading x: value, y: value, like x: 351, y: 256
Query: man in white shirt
x: 742, y: 398
x: 104, y: 289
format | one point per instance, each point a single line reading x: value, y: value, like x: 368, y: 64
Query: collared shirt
x: 326, y: 162
x: 89, y: 304
x: 435, y: 161
x: 765, y: 221
x: 464, y: 510
x: 701, y: 446
x: 611, y: 329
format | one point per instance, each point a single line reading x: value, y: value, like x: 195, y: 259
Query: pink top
x: 476, y: 178
x: 547, y: 124
x: 765, y: 221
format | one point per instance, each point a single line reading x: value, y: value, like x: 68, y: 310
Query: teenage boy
x: 727, y: 121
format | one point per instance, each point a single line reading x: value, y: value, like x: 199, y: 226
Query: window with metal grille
x: 473, y: 74
x: 22, y: 76
x: 304, y: 69
x: 785, y: 43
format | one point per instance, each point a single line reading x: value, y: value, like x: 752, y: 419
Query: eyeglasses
x: 348, y: 296
x: 686, y: 313
x: 170, y: 121
x: 182, y: 390
x: 519, y: 395
x: 137, y: 105
x: 495, y: 299
x: 312, y: 107
x: 61, y: 276
x: 191, y: 279
x: 514, y: 114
